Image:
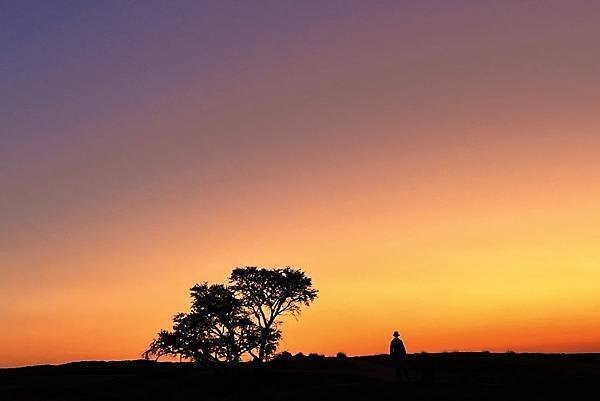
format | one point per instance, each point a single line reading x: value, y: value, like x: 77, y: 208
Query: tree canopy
x: 269, y: 294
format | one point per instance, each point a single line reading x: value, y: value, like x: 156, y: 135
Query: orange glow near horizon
x: 441, y: 182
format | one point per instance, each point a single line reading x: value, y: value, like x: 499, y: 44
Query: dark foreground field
x: 455, y: 376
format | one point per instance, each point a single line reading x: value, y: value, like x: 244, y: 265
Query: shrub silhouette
x: 283, y: 357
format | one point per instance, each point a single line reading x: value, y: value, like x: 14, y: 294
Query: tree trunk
x: 262, y: 349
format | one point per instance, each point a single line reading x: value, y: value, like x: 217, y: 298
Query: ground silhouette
x: 458, y: 376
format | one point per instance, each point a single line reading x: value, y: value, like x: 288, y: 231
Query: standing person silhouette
x: 398, y: 357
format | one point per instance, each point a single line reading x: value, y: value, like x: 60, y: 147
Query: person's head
x: 396, y: 334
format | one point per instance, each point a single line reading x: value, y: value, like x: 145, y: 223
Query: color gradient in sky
x: 433, y: 166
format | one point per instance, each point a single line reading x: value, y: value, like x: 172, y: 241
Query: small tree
x: 269, y: 294
x: 216, y: 329
x: 221, y: 313
x: 192, y: 339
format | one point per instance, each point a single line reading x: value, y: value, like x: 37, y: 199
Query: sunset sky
x: 434, y: 166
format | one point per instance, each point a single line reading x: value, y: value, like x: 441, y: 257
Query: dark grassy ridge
x: 457, y: 376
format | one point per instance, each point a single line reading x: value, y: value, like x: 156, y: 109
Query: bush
x: 283, y: 356
x: 341, y: 355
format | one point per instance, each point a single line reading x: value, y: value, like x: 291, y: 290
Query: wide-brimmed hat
x: 396, y: 334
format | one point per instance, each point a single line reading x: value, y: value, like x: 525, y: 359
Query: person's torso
x: 397, y: 347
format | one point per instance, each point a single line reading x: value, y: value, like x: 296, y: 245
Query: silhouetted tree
x: 218, y: 310
x: 216, y: 329
x: 225, y: 323
x: 269, y: 294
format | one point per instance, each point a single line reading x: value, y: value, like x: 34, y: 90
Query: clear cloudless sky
x: 432, y: 165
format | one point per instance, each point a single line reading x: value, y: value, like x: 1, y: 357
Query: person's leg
x: 405, y: 373
x: 398, y: 369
